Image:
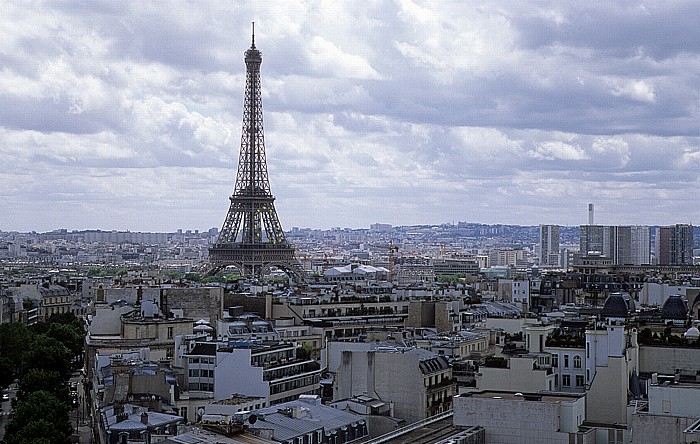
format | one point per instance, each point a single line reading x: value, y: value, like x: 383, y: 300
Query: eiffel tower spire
x: 251, y: 237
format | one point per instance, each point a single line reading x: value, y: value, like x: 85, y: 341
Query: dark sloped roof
x: 615, y: 306
x: 675, y: 307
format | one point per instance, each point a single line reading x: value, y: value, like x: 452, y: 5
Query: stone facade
x: 196, y: 303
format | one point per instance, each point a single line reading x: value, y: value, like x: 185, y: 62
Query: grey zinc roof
x: 313, y: 417
x: 133, y: 421
x: 128, y: 425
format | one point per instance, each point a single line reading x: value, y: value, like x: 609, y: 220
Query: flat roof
x: 518, y: 396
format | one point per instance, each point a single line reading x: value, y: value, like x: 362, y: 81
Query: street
x: 6, y: 405
x: 82, y: 433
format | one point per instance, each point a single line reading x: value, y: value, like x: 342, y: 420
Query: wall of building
x: 517, y: 421
x: 571, y: 370
x: 250, y: 304
x: 394, y: 377
x: 235, y: 374
x: 156, y: 329
x: 332, y: 353
x: 519, y: 377
x: 676, y: 400
x: 196, y: 303
x: 654, y: 293
x: 442, y: 317
x: 648, y: 428
x: 508, y: 325
x: 606, y: 400
x: 665, y: 360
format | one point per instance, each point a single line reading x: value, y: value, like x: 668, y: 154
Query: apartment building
x: 418, y: 382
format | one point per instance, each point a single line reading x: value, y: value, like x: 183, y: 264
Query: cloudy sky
x: 127, y: 115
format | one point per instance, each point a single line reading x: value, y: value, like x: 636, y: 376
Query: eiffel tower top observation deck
x: 251, y: 237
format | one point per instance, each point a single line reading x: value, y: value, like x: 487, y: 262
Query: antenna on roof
x: 253, y: 46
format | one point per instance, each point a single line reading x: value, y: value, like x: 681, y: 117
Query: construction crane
x: 391, y: 249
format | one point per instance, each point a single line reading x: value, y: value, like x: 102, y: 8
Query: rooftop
x: 551, y: 398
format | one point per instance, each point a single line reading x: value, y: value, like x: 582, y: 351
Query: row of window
x: 57, y: 300
x: 203, y: 386
x: 201, y: 373
x: 202, y: 360
x: 577, y: 361
x: 294, y: 384
x: 566, y: 380
x: 437, y: 379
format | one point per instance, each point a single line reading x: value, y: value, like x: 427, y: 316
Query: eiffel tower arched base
x: 255, y: 260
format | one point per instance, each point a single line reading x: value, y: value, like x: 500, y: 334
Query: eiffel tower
x: 252, y: 238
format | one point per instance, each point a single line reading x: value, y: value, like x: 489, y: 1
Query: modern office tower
x: 251, y: 237
x: 662, y: 246
x: 641, y: 245
x: 674, y: 245
x: 549, y: 245
x: 621, y: 247
x: 625, y: 245
x: 595, y: 238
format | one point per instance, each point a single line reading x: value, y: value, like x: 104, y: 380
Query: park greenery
x: 41, y: 358
x: 105, y: 272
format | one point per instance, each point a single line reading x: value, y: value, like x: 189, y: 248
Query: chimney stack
x: 590, y: 214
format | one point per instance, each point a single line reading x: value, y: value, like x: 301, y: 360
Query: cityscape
x: 460, y: 294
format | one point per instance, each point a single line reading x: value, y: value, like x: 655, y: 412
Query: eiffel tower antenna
x: 251, y: 237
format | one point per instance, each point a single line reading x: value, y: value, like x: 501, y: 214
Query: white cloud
x: 330, y: 60
x: 558, y: 151
x: 403, y: 112
x: 639, y: 90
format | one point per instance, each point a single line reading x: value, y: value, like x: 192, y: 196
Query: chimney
x: 163, y: 302
x: 122, y: 416
x: 590, y: 214
x: 144, y: 418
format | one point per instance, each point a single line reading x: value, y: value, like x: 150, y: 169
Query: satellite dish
x: 252, y: 418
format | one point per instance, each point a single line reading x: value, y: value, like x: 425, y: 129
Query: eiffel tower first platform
x: 252, y: 238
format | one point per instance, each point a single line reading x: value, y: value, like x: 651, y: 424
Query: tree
x: 14, y: 340
x: 38, y: 431
x: 68, y: 335
x: 50, y: 381
x: 194, y: 277
x: 645, y: 337
x: 40, y: 418
x: 47, y: 353
x: 7, y: 372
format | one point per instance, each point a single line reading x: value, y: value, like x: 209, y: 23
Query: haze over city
x: 128, y: 115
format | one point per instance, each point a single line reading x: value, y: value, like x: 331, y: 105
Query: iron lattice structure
x: 251, y: 237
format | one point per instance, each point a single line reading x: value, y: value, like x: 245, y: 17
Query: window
x: 577, y: 362
x: 194, y: 373
x: 579, y: 380
x: 170, y: 332
x: 555, y: 361
x: 566, y: 380
x: 566, y: 361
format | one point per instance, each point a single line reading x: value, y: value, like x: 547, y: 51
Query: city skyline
x: 127, y: 117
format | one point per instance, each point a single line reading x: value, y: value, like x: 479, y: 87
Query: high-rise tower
x: 549, y: 245
x: 251, y: 237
